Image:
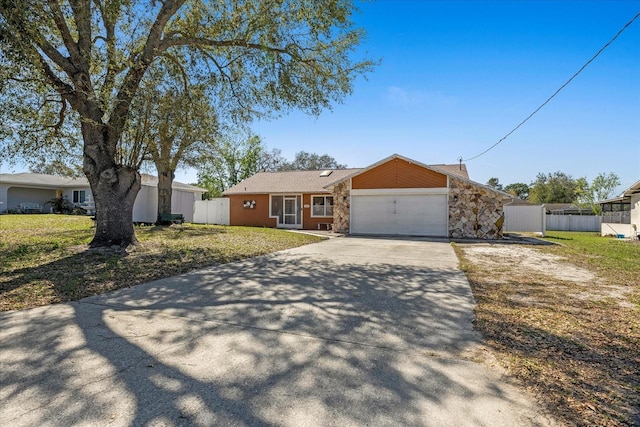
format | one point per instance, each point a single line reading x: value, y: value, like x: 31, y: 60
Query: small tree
x: 494, y: 183
x: 236, y: 158
x: 173, y: 123
x: 601, y: 188
x: 556, y: 187
x: 518, y: 189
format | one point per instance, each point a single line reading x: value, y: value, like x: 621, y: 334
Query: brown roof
x: 312, y: 182
x: 519, y: 202
x: 454, y: 169
x: 288, y: 182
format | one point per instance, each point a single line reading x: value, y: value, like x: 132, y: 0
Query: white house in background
x: 35, y: 190
x: 621, y: 215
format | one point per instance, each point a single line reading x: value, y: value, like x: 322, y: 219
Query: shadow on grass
x: 179, y: 231
x: 276, y: 340
x: 588, y: 374
x: 558, y: 238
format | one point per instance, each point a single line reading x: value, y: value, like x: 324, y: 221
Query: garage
x: 398, y: 213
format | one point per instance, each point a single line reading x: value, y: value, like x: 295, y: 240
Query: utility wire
x: 557, y: 91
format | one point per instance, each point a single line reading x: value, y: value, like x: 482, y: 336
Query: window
x: 322, y: 206
x: 79, y: 196
x: 276, y: 211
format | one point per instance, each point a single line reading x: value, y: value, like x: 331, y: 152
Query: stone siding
x: 341, y: 205
x: 474, y: 211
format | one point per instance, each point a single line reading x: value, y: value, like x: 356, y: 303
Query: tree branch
x: 60, y: 22
x: 195, y: 41
x: 82, y: 16
x: 133, y: 77
x: 110, y: 41
x: 183, y: 73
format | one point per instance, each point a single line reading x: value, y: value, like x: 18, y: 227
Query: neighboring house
x: 566, y: 209
x: 519, y: 202
x: 621, y: 215
x: 395, y: 196
x: 30, y: 189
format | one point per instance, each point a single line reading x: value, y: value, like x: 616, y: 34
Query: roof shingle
x: 288, y: 182
x: 312, y: 181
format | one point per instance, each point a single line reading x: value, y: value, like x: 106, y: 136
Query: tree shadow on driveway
x: 277, y: 340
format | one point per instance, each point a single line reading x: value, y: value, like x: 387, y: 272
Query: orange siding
x: 257, y: 217
x: 398, y: 173
x: 311, y: 223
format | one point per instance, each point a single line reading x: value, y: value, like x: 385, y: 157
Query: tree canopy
x: 236, y: 158
x: 601, y: 188
x: 494, y: 183
x: 518, y: 189
x: 311, y: 161
x: 74, y: 68
x: 58, y: 168
x: 557, y: 187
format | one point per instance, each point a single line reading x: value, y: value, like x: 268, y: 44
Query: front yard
x: 564, y: 320
x: 44, y: 258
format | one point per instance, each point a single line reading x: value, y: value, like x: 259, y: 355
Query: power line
x: 559, y: 89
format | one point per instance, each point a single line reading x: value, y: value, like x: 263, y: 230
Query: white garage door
x: 418, y: 215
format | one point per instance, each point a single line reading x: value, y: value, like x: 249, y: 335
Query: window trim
x: 78, y: 193
x: 324, y: 196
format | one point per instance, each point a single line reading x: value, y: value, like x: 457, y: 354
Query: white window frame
x: 78, y: 192
x: 324, y: 196
x: 299, y: 213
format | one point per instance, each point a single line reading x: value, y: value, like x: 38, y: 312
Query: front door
x: 292, y: 217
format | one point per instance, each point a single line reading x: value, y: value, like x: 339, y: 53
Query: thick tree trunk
x: 114, y: 193
x: 165, y: 181
x: 114, y: 189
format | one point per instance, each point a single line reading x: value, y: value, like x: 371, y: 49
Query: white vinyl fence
x: 215, y: 211
x: 531, y: 219
x: 573, y: 222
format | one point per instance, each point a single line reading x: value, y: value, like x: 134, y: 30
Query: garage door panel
x: 399, y: 214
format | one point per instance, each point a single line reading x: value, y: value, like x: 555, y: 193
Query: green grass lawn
x: 616, y: 259
x: 45, y: 259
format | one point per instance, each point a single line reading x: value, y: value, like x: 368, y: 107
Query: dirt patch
x: 527, y: 259
x: 506, y: 261
x: 566, y: 326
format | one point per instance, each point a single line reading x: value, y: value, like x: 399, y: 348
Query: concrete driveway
x: 350, y: 331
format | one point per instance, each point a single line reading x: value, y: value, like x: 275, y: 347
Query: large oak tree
x: 85, y: 60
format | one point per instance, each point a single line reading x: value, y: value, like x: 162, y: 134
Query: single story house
x: 35, y: 190
x: 395, y: 196
x: 621, y: 215
x: 566, y: 209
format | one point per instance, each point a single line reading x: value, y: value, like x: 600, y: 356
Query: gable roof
x: 450, y: 170
x: 39, y: 180
x: 297, y: 182
x: 288, y: 182
x: 454, y: 171
x: 458, y: 169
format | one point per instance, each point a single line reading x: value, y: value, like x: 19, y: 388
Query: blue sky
x: 457, y: 76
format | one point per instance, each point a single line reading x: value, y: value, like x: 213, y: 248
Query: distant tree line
x: 559, y: 187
